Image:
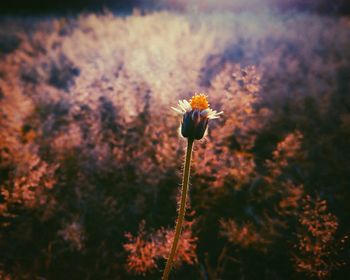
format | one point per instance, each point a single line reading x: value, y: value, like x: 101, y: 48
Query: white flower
x: 196, y: 114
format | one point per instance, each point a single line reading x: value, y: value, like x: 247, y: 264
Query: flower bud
x: 193, y: 125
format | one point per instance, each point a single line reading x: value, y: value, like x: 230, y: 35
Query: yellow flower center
x: 199, y: 102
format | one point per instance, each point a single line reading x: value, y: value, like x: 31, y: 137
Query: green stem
x: 182, y: 210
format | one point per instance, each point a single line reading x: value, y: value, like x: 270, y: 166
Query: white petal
x: 181, y: 105
x: 177, y: 110
x: 188, y: 106
x: 214, y: 114
x: 217, y: 113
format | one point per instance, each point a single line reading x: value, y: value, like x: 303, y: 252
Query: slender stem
x: 182, y: 210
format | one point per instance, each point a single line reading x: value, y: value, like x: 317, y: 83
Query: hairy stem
x: 182, y: 210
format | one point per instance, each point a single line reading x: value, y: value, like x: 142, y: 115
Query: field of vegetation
x: 91, y: 158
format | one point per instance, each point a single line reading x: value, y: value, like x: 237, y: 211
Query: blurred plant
x: 74, y: 234
x: 317, y: 248
x: 286, y: 150
x: 145, y: 250
x: 245, y: 235
x: 30, y: 183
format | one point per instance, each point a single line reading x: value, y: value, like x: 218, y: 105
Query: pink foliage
x: 144, y: 250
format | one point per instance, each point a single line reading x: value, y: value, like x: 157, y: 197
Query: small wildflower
x: 196, y: 113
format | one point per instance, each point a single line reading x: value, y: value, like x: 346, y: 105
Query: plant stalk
x: 182, y: 210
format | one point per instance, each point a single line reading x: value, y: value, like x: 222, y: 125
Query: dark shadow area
x: 40, y: 7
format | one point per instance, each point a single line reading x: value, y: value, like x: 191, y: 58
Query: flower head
x: 196, y: 113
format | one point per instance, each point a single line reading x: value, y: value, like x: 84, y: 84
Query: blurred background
x: 91, y: 159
